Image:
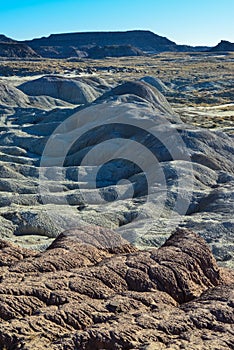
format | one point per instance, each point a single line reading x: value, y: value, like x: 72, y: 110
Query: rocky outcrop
x: 92, y: 290
x: 60, y: 52
x: 224, y: 45
x: 12, y: 49
x: 5, y: 39
x: 113, y: 51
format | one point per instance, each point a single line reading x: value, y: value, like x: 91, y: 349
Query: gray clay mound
x: 157, y: 83
x: 69, y: 90
x: 142, y: 90
x: 12, y: 97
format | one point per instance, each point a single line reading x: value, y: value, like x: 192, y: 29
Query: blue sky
x: 195, y: 22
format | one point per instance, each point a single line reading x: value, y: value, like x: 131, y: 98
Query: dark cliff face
x: 113, y: 51
x: 224, y: 45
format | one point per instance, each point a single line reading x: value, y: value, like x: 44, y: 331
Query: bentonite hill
x: 116, y: 203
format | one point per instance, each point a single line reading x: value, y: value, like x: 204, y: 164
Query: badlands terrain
x: 116, y: 206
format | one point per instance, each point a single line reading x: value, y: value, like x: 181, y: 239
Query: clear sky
x: 194, y: 22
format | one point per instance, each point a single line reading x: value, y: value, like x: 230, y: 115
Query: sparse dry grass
x: 166, y: 66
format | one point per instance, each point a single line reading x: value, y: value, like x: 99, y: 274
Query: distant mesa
x: 108, y: 44
x: 224, y: 45
x: 143, y: 40
x: 98, y: 45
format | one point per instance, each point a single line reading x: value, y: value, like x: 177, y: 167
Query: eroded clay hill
x: 121, y: 159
